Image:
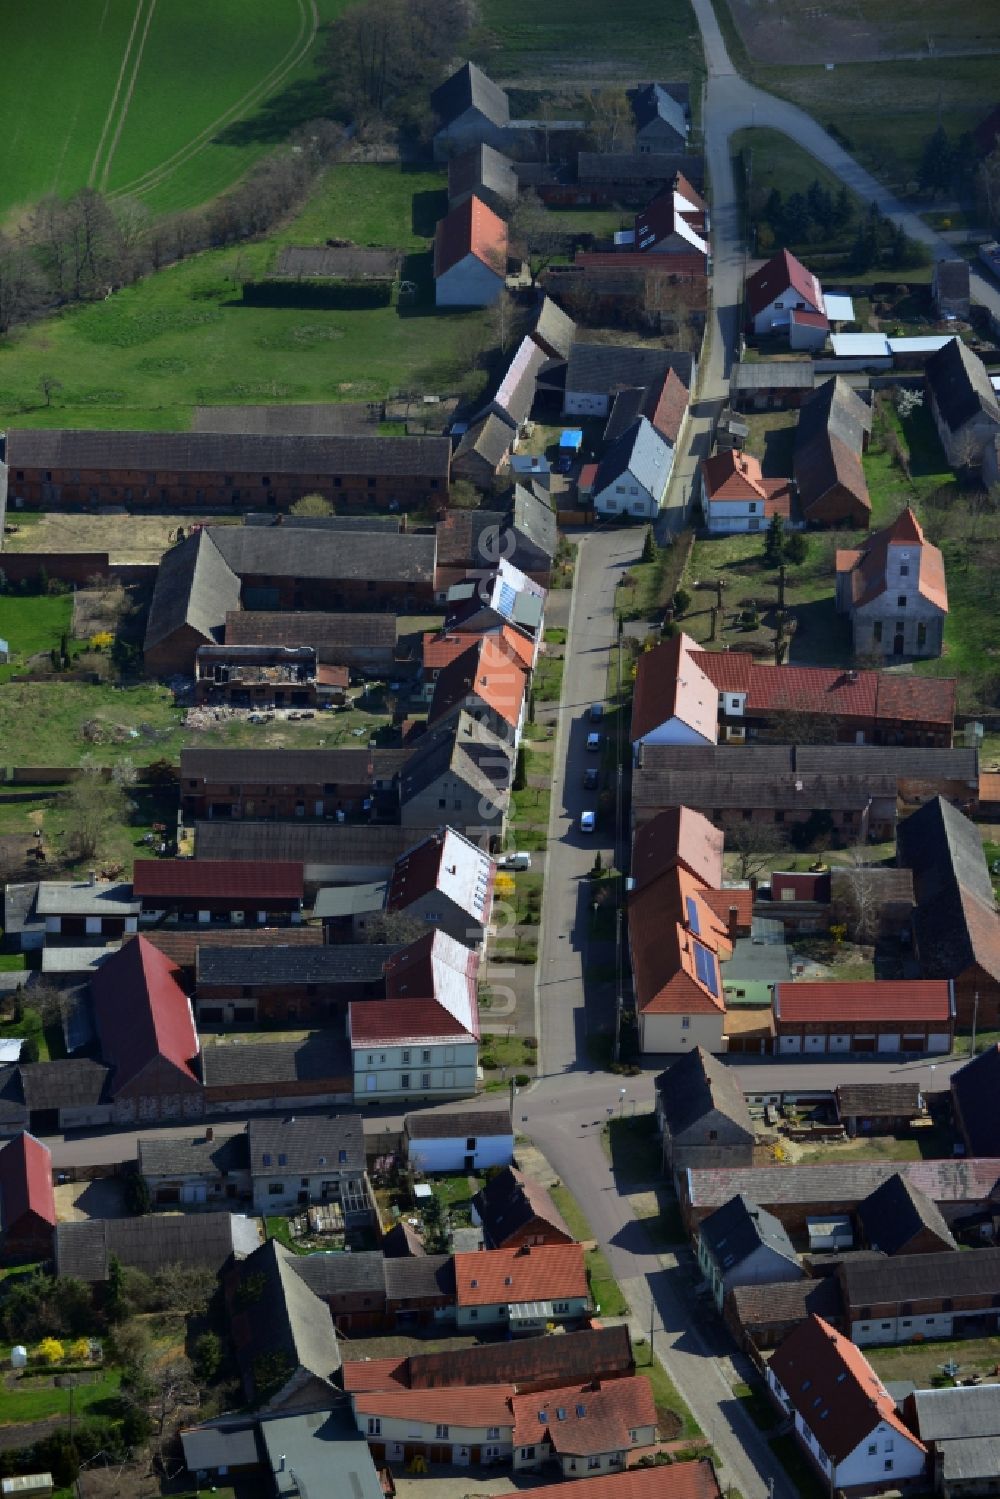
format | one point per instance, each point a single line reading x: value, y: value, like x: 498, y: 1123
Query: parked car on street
x: 593, y: 741
x: 588, y: 822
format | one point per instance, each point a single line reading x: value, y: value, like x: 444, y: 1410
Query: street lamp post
x: 621, y: 1103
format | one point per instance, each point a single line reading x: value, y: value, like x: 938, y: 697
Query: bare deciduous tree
x: 861, y: 902
x: 753, y: 843
x: 612, y: 125
x: 90, y: 805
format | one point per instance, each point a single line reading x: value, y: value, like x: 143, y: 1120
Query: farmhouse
x: 741, y: 1244
x: 27, y: 1199
x: 364, y: 642
x: 595, y: 373
x: 735, y: 495
x: 460, y: 771
x: 521, y: 1288
x: 472, y: 110
x: 591, y: 1428
x: 485, y: 173
x: 963, y: 402
x: 843, y: 1417
x: 513, y: 1211
x: 450, y: 1426
x: 207, y: 890
x: 661, y: 117
x: 459, y: 1140
x: 470, y: 256
x: 195, y: 1171
x: 957, y: 929
x: 287, y: 985
x: 962, y: 1429
x: 147, y: 1035
x: 832, y: 432
x: 310, y: 1159
x: 633, y: 475
x: 674, y: 223
x: 55, y: 470
x: 974, y: 1092
x: 676, y: 942
x: 702, y: 1115
x: 897, y: 1218
x: 446, y: 882
x: 285, y: 1342
x: 893, y: 589
x: 486, y: 684
x: 937, y: 1295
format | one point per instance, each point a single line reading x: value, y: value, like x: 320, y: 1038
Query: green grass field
x: 182, y: 337
x: 168, y: 101
x: 33, y: 1398
x: 577, y: 37
x: 32, y: 624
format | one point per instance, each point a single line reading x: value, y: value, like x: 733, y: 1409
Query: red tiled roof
x: 480, y: 1405
x: 668, y: 411
x: 361, y: 1374
x: 441, y: 648
x: 781, y: 273
x: 691, y: 1480
x: 810, y: 319
x: 674, y: 939
x: 470, y: 229
x: 914, y: 999
x: 544, y: 1272
x: 216, y: 879
x: 916, y: 699
x: 485, y: 671
x: 723, y: 901
x: 333, y: 676
x: 26, y: 1181
x: 142, y: 1013
x: 670, y: 683
x: 677, y: 835
x: 868, y: 564
x: 834, y: 1389
x: 588, y: 476
x: 738, y: 476
x: 402, y: 1022
x: 592, y: 1420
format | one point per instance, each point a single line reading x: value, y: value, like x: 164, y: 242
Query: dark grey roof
x: 288, y: 767
x: 342, y: 963
x: 231, y: 452
x: 877, y: 1100
x: 602, y: 369
x: 195, y: 587
x: 306, y: 1144
x: 490, y: 438
x: 457, y: 1124
x: 917, y: 1277
x: 952, y: 277
x: 640, y: 451
x: 554, y: 329
x: 654, y: 102
x: 829, y: 439
x: 278, y: 1321
x: 481, y: 167
x: 207, y: 1447
x: 787, y: 1301
x: 509, y: 1202
x: 198, y: 1156
x: 897, y: 1211
x: 419, y: 1277
x: 209, y: 1239
x: 762, y: 759
x: 958, y: 1414
x: 75, y: 1082
x: 958, y: 380
x: 462, y: 747
x: 335, y: 1273
x: 956, y: 922
x: 734, y: 1231
x: 710, y: 789
x: 13, y: 1110
x: 627, y: 408
x: 902, y: 760
x: 309, y: 843
x: 282, y: 551
x: 327, y: 632
x: 786, y: 374
x: 321, y: 1056
x: 19, y: 909
x: 837, y: 409
x: 976, y: 1089
x: 970, y: 1460
x: 469, y: 88
x: 392, y: 524
x: 310, y: 418
x: 651, y: 167
x: 698, y: 1084
x: 535, y: 520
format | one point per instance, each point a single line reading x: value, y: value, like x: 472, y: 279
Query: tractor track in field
x: 309, y: 23
x: 128, y: 97
x: 109, y: 117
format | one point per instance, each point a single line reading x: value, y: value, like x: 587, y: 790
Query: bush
x: 488, y: 1062
x: 522, y: 1079
x: 136, y: 1426
x: 682, y: 601
x: 796, y: 548
x: 51, y: 1351
x: 207, y: 1357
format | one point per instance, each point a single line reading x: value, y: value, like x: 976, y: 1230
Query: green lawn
x: 166, y: 103
x: 11, y: 962
x: 772, y: 160
x: 507, y: 1051
x: 182, y: 337
x: 518, y: 37
x: 671, y: 1407
x: 49, y: 1040
x: 31, y: 624
x: 921, y: 1362
x: 604, y: 1289
x: 34, y: 1400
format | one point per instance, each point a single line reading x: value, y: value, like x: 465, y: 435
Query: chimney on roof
x: 209, y: 1134
x: 92, y: 877
x: 753, y: 888
x: 524, y: 1249
x: 734, y: 923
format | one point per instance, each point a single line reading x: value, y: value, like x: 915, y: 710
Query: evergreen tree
x: 774, y: 211
x: 843, y: 209
x: 774, y: 540
x: 648, y: 547
x: 798, y: 225
x: 935, y: 171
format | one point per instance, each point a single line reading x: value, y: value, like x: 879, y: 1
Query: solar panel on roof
x: 507, y: 600
x: 704, y: 964
x: 692, y: 914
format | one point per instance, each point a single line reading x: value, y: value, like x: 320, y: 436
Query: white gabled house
x: 632, y: 476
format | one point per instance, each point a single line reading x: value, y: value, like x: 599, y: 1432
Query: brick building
x: 364, y: 642
x: 27, y: 1199
x: 914, y: 1016
x: 79, y: 470
x: 287, y: 785
x: 295, y: 985
x: 900, y: 1299
x: 207, y: 890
